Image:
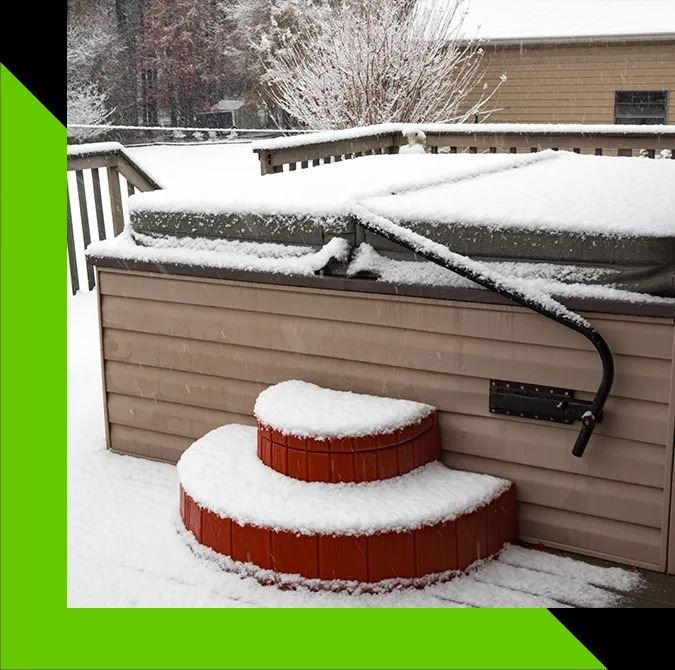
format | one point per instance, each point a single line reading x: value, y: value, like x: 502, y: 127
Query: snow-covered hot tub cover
x: 556, y: 217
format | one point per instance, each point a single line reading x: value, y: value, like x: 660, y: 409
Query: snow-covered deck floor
x: 118, y: 558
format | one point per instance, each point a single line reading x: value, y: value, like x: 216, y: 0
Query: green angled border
x: 38, y: 630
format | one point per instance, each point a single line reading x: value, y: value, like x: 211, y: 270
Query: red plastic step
x: 321, y: 435
x: 351, y: 459
x: 416, y: 553
x: 429, y: 522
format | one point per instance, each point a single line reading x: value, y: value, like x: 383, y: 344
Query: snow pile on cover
x: 569, y: 192
x: 119, y: 558
x: 459, y: 128
x: 534, y: 19
x: 299, y: 408
x: 231, y: 255
x: 329, y: 191
x: 549, y: 190
x: 564, y: 281
x: 222, y: 471
x: 218, y: 166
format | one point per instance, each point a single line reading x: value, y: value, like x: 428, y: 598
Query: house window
x: 640, y: 107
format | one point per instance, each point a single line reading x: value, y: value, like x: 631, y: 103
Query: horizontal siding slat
x: 147, y: 444
x: 605, y: 538
x: 170, y: 418
x: 645, y: 379
x: 186, y: 388
x: 625, y: 335
x: 547, y: 446
x: 645, y: 79
x: 592, y: 496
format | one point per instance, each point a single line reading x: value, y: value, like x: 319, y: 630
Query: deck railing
x: 291, y: 153
x: 92, y: 165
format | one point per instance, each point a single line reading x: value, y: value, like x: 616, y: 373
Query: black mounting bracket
x: 534, y: 401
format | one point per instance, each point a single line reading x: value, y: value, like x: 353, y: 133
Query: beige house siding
x: 184, y: 355
x: 575, y: 83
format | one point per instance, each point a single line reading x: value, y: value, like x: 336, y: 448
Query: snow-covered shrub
x: 92, y: 41
x: 86, y: 106
x: 361, y: 62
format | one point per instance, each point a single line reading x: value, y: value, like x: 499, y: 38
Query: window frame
x: 637, y: 118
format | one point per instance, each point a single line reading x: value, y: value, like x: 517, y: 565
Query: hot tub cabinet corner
x: 185, y: 354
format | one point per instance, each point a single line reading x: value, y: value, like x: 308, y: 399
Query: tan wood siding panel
x: 604, y: 498
x: 604, y: 538
x: 177, y: 367
x: 145, y: 443
x: 231, y: 395
x: 170, y: 418
x: 626, y: 335
x: 576, y: 82
x: 466, y: 356
x: 617, y: 458
x: 669, y: 514
x: 645, y: 379
x: 548, y: 446
x: 624, y: 418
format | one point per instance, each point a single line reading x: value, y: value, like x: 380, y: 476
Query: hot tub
x: 208, y: 298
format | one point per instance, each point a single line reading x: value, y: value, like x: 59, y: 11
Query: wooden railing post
x: 115, y: 199
x: 72, y: 261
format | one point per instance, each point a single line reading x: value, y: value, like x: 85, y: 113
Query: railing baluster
x: 98, y: 203
x: 72, y: 261
x: 84, y: 218
x: 115, y: 200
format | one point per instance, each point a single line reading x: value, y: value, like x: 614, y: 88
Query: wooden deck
x: 659, y: 588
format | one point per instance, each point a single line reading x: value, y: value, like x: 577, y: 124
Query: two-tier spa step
x: 417, y: 522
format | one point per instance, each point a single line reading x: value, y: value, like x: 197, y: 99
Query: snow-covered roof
x: 227, y: 105
x: 551, y: 20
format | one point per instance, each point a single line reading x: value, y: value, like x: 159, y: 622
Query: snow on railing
x: 332, y: 146
x: 89, y: 167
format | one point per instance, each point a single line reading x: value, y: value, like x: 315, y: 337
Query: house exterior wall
x: 183, y: 355
x: 575, y: 83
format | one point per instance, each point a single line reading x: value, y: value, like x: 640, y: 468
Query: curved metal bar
x: 594, y: 414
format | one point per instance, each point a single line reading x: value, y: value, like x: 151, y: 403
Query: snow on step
x: 222, y: 473
x: 318, y: 435
x: 306, y: 410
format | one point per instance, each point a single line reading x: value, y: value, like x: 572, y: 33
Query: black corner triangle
x: 33, y: 44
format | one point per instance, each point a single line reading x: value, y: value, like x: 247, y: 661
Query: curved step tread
x: 306, y: 410
x: 222, y: 473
